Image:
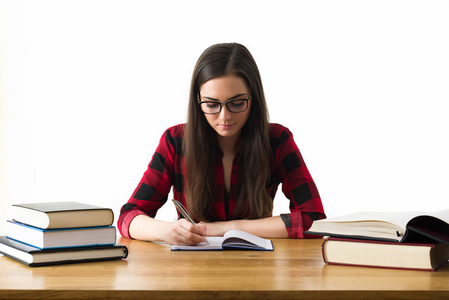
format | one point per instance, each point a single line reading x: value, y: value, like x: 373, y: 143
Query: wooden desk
x: 294, y: 270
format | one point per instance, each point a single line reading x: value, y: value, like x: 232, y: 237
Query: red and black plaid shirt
x: 166, y: 171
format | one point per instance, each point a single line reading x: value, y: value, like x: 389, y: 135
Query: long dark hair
x: 200, y: 143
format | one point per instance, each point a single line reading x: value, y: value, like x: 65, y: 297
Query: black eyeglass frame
x: 226, y: 103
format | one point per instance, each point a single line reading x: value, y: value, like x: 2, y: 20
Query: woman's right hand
x: 185, y: 233
x: 181, y: 232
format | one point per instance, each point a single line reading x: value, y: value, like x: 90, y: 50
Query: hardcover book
x: 34, y: 257
x: 48, y: 215
x: 395, y: 255
x: 59, y: 238
x: 403, y: 227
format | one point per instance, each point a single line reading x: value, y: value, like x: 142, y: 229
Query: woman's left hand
x: 217, y: 228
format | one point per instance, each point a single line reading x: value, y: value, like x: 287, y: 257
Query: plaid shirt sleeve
x: 154, y: 187
x: 297, y: 183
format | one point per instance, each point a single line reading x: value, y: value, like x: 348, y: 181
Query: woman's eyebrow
x: 232, y: 98
x: 237, y: 96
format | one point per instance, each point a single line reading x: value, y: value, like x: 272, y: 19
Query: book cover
x: 34, y: 257
x: 47, y: 207
x: 48, y: 215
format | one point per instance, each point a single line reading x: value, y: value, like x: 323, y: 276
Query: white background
x: 88, y: 88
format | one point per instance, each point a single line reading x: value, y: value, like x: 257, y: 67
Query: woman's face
x: 220, y: 90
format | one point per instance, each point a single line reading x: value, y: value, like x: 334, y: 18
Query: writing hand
x: 185, y: 233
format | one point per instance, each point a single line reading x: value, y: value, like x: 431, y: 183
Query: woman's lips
x: 225, y: 126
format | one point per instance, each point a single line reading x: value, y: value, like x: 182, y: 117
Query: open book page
x: 238, y: 238
x: 397, y: 218
x: 442, y: 214
x: 358, y: 229
x: 231, y: 239
x: 214, y: 244
x: 382, y: 225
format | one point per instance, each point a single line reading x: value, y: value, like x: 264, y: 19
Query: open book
x: 231, y: 239
x: 403, y: 227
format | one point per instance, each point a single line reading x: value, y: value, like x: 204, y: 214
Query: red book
x: 381, y: 254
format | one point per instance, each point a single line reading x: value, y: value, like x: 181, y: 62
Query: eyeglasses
x: 234, y: 106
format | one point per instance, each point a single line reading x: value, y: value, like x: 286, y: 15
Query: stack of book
x: 52, y: 233
x: 405, y: 240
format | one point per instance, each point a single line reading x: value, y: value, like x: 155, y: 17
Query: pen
x: 185, y: 214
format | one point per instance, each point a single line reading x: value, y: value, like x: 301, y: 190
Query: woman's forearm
x: 271, y: 227
x: 181, y: 232
x: 145, y: 228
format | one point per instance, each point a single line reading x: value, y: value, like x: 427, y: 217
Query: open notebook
x: 236, y: 239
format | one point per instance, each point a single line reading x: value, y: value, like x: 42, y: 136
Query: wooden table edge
x: 221, y: 294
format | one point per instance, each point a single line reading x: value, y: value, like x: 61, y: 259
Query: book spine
x: 323, y: 252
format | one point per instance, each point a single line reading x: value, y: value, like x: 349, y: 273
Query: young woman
x: 225, y: 163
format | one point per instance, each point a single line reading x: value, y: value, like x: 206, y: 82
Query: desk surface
x: 294, y: 270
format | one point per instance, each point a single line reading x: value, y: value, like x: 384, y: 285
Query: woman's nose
x: 225, y: 113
